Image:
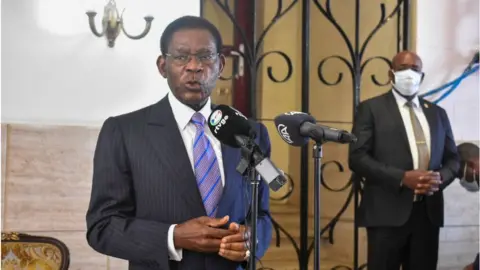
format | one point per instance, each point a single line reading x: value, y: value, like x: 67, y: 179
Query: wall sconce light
x: 112, y: 23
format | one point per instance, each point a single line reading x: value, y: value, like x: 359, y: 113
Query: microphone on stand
x: 296, y: 128
x: 232, y: 128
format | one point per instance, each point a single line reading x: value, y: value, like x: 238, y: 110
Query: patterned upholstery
x: 29, y: 252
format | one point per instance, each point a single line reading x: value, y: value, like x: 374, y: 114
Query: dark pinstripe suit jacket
x: 143, y: 182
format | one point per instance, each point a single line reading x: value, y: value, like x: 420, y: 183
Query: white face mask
x: 407, y: 82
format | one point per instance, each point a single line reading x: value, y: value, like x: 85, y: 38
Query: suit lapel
x: 430, y: 114
x: 397, y: 120
x: 232, y: 184
x: 166, y: 140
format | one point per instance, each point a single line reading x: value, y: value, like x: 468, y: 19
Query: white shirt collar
x: 401, y: 101
x: 183, y: 114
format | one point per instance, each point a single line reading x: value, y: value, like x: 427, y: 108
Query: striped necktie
x: 206, y: 167
x: 421, y: 142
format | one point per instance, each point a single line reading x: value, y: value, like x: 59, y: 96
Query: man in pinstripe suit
x: 166, y: 193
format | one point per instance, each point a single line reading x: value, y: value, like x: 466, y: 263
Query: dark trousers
x: 414, y: 245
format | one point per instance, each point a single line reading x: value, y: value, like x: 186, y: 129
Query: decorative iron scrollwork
x: 340, y: 74
x: 249, y: 56
x: 251, y: 52
x: 355, y: 66
x: 374, y: 79
x: 270, y: 68
x: 355, y: 51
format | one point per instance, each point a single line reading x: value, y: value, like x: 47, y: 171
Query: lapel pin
x: 425, y: 105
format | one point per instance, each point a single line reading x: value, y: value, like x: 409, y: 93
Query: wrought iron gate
x: 355, y: 62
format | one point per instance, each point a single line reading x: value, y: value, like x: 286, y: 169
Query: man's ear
x: 161, y: 65
x: 391, y: 76
x: 222, y: 64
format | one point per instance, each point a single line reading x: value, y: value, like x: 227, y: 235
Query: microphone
x: 227, y: 124
x: 296, y: 128
x: 232, y: 128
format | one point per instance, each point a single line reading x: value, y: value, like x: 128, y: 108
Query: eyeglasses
x: 183, y: 59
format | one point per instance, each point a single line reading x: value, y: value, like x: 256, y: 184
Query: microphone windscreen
x: 288, y: 127
x: 226, y: 122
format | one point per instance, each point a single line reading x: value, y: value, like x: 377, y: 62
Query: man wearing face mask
x: 407, y: 155
x: 468, y: 175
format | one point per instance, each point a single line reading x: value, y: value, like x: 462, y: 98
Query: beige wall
x: 46, y: 186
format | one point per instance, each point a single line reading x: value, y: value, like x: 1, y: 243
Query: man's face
x: 191, y: 66
x: 404, y: 61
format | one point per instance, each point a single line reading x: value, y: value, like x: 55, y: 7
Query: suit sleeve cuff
x: 175, y: 254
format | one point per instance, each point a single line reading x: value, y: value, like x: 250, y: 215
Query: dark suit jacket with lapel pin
x: 382, y: 155
x: 143, y: 182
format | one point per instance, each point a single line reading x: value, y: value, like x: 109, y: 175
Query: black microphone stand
x: 254, y: 181
x: 317, y: 156
x: 247, y: 167
x: 320, y: 136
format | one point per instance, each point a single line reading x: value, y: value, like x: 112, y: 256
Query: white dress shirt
x: 407, y: 122
x: 183, y: 114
